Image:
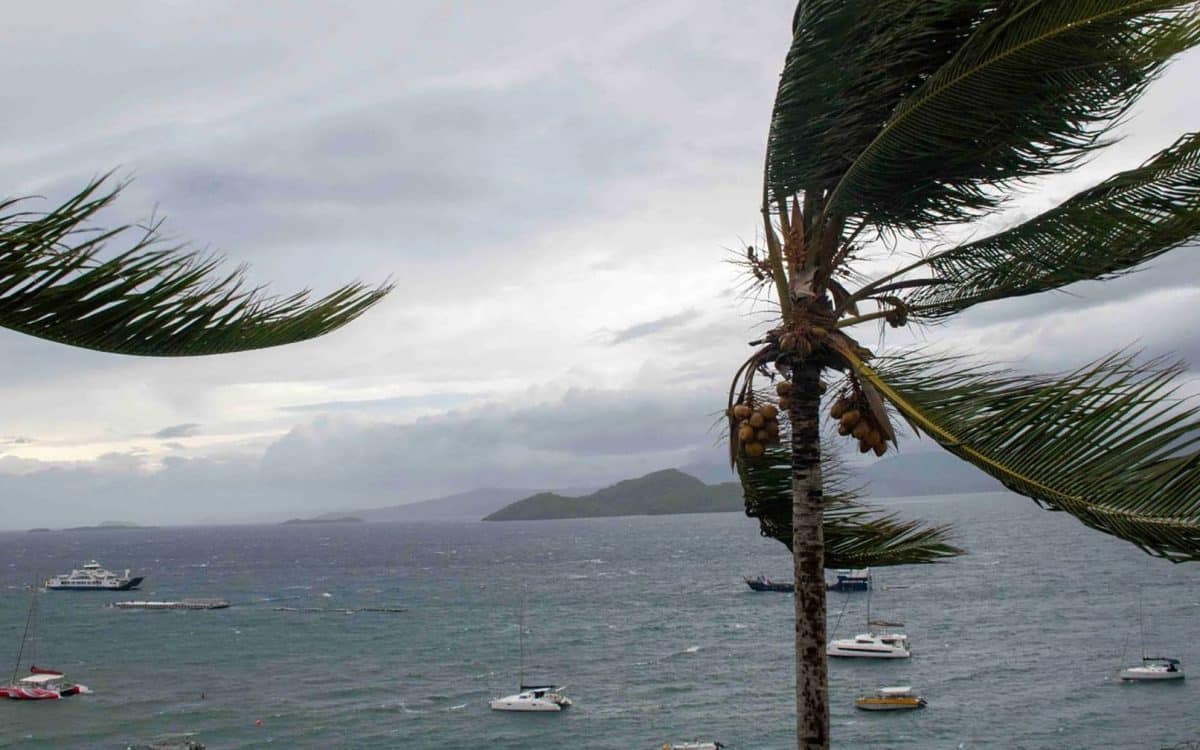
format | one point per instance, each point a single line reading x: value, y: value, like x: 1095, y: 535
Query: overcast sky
x: 554, y: 191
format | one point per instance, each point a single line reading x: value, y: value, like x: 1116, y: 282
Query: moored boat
x: 899, y: 698
x: 41, y: 686
x: 871, y: 645
x: 532, y: 698
x: 762, y: 583
x: 692, y: 746
x: 92, y: 577
x: 1153, y: 668
x: 852, y: 580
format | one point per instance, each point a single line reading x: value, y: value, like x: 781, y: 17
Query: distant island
x: 105, y: 526
x: 321, y: 519
x: 662, y: 493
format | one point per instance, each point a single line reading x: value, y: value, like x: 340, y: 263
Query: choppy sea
x: 645, y: 619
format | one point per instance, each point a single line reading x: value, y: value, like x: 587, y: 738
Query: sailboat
x: 1152, y: 667
x: 530, y: 697
x: 40, y: 683
x: 879, y: 642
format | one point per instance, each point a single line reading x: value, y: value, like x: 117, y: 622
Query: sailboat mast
x: 24, y: 635
x: 521, y: 663
x: 1141, y: 624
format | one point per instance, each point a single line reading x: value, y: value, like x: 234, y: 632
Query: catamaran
x: 40, y: 683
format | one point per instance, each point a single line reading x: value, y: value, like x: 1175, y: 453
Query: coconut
x: 850, y: 418
x: 741, y: 411
x: 843, y: 429
x: 783, y: 387
x: 863, y: 447
x: 839, y: 408
x: 769, y: 411
x: 745, y: 433
x: 762, y: 436
x: 861, y: 431
x: 785, y: 403
x: 874, y: 438
x: 757, y: 420
x: 880, y: 449
x: 821, y: 387
x: 753, y: 450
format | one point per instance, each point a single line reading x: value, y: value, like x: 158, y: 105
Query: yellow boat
x: 890, y: 699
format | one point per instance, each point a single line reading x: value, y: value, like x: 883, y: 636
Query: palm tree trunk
x: 808, y: 559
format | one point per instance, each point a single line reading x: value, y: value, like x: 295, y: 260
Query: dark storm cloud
x: 189, y: 429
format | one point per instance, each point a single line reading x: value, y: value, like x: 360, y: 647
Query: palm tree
x: 898, y: 119
x: 60, y: 281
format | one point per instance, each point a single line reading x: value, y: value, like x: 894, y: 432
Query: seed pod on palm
x: 880, y: 449
x: 753, y: 450
x: 850, y: 418
x: 745, y: 432
x: 862, y: 430
x: 840, y: 407
x: 769, y: 411
x: 741, y: 411
x: 783, y: 388
x: 785, y: 404
x: 757, y: 420
x: 843, y: 429
x: 863, y: 447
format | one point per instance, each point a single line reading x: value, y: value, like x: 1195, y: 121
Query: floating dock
x: 182, y: 604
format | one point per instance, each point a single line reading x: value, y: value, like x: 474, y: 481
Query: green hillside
x: 661, y: 493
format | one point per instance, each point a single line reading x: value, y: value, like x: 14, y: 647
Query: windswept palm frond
x: 850, y: 63
x: 1108, y: 443
x: 1109, y: 229
x: 1032, y: 91
x: 856, y: 535
x: 57, y: 282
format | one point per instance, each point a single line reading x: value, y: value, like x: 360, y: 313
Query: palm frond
x: 1108, y: 443
x: 1032, y: 91
x: 850, y: 63
x: 59, y: 282
x: 856, y: 535
x: 1113, y: 227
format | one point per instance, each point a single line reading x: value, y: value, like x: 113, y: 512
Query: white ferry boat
x: 92, y: 577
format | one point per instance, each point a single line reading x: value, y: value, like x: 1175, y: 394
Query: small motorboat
x: 852, y: 580
x: 532, y: 698
x: 872, y: 645
x: 890, y: 699
x: 40, y: 687
x: 1153, y: 668
x: 692, y: 746
x: 762, y: 583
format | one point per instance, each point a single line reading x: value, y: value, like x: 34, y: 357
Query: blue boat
x: 852, y: 580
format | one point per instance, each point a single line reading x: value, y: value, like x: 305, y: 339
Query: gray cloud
x: 189, y: 429
x: 652, y: 327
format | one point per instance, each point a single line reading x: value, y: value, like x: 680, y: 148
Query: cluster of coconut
x: 855, y: 418
x: 757, y: 427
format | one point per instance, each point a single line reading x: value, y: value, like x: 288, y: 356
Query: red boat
x: 41, y: 687
x: 40, y: 684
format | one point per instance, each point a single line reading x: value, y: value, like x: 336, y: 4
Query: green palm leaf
x: 1031, y: 92
x: 1108, y: 443
x: 58, y: 282
x: 850, y: 63
x: 1111, y: 228
x: 855, y: 535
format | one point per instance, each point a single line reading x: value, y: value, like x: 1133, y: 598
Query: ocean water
x: 646, y: 619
